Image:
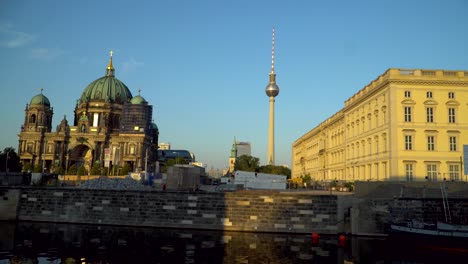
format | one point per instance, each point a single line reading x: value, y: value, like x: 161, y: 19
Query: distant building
x: 214, y: 173
x: 165, y: 155
x: 197, y: 163
x: 238, y: 149
x: 232, y: 158
x: 243, y: 148
x: 164, y: 146
x: 406, y: 125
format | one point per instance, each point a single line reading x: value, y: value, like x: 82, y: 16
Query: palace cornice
x: 429, y: 82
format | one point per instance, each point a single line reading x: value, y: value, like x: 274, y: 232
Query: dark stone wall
x: 263, y: 211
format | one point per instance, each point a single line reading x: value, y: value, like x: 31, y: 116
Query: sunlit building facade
x: 406, y: 125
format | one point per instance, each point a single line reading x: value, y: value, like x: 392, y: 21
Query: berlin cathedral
x: 110, y: 128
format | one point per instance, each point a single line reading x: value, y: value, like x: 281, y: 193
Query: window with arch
x: 451, y: 95
x: 32, y: 118
x: 407, y: 94
x: 429, y: 94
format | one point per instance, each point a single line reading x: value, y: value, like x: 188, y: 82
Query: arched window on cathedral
x: 32, y: 118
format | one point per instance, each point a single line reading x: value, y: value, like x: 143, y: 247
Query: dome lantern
x: 110, y: 71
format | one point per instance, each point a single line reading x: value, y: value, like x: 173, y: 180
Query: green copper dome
x: 138, y: 100
x: 40, y: 99
x: 154, y: 126
x: 107, y: 89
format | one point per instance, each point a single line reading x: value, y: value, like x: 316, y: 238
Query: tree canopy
x: 172, y: 162
x: 13, y: 162
x: 247, y: 163
x: 279, y: 170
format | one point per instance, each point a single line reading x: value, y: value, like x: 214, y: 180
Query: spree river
x: 25, y: 242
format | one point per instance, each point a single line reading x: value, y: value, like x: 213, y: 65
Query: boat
x: 445, y: 229
x: 440, y: 228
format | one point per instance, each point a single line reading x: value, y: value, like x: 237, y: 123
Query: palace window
x: 407, y: 94
x: 451, y: 95
x: 430, y: 143
x: 454, y: 172
x: 453, y: 143
x: 409, y: 171
x: 429, y: 94
x: 407, y: 114
x: 429, y: 114
x: 431, y: 172
x: 451, y: 115
x: 408, y: 142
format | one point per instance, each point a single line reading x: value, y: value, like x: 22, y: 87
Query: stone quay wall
x: 256, y: 211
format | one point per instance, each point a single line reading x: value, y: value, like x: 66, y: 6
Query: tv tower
x: 272, y: 90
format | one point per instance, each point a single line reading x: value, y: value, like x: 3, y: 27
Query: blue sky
x: 204, y: 65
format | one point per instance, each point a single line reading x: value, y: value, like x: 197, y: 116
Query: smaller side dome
x: 154, y: 126
x: 40, y: 99
x: 138, y: 100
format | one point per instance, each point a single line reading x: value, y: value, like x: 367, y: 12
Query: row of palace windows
x: 432, y: 172
x: 431, y: 143
x: 451, y: 95
x: 452, y: 114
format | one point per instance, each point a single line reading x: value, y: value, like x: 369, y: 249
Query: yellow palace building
x: 406, y: 125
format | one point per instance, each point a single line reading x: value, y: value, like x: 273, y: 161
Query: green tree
x: 172, y: 162
x: 72, y: 170
x: 278, y: 170
x: 60, y: 170
x: 247, y: 163
x: 9, y: 159
x: 37, y: 168
x: 96, y: 170
x: 125, y: 169
x: 27, y: 167
x: 306, y: 178
x: 81, y: 171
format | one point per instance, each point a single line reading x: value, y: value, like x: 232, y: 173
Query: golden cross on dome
x: 111, y: 52
x: 42, y: 89
x: 139, y: 90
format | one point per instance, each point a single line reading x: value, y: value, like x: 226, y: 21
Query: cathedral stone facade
x: 111, y: 129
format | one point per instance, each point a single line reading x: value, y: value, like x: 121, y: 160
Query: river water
x: 26, y: 242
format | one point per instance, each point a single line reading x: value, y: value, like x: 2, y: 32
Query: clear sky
x: 204, y: 65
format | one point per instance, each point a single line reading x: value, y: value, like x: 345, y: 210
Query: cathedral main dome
x: 107, y: 89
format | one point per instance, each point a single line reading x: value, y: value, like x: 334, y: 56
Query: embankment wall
x: 261, y: 211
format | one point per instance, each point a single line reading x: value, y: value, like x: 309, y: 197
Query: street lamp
x: 6, y: 161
